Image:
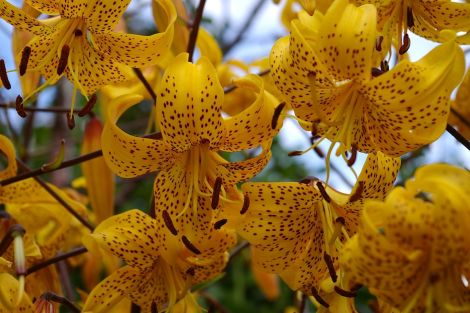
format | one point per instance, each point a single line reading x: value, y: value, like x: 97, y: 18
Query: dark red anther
x: 189, y: 245
x: 216, y: 193
x: 358, y: 192
x: 378, y: 43
x: 319, y: 152
x: 376, y: 72
x: 277, y: 114
x: 246, y: 204
x: 318, y: 298
x: 353, y: 157
x: 88, y: 106
x: 19, y: 107
x: 64, y: 57
x: 406, y: 45
x: 330, y: 266
x: 25, y: 54
x: 4, y: 75
x: 323, y: 192
x: 345, y: 293
x: 78, y: 32
x: 295, y: 153
x: 384, y: 65
x: 409, y: 17
x: 70, y: 120
x: 169, y: 223
x: 220, y: 223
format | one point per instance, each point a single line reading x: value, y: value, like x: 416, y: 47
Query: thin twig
x: 232, y: 87
x: 227, y: 47
x: 458, y: 136
x: 41, y: 170
x: 57, y: 197
x: 57, y: 258
x: 460, y: 117
x: 33, y: 109
x: 213, y: 302
x: 195, y: 30
x: 146, y: 84
x: 50, y: 296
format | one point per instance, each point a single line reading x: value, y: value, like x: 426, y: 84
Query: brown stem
x: 460, y: 117
x: 195, y: 30
x: 33, y: 109
x: 59, y: 257
x: 57, y: 197
x: 231, y: 88
x: 146, y: 84
x: 458, y: 136
x: 50, y: 296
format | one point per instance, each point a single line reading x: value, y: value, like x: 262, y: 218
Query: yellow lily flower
x: 297, y: 229
x: 159, y: 271
x: 8, y: 296
x: 411, y: 250
x: 425, y: 18
x: 325, y: 71
x: 192, y: 176
x: 461, y: 109
x: 79, y: 41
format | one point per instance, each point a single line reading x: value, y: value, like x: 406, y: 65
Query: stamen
x: 169, y: 223
x: 191, y: 271
x: 378, y: 43
x: 376, y: 72
x: 358, y: 193
x: 25, y: 54
x: 246, y: 204
x: 78, y: 32
x: 340, y: 220
x: 220, y: 223
x: 353, y: 157
x: 4, y: 75
x: 19, y: 107
x: 216, y: 193
x: 88, y: 106
x: 153, y: 308
x: 57, y: 161
x: 319, y: 152
x: 189, y: 245
x: 64, y: 56
x: 308, y: 180
x: 330, y: 266
x: 295, y: 153
x: 345, y: 293
x: 384, y: 66
x: 409, y: 17
x: 323, y: 192
x: 406, y: 45
x: 277, y: 113
x: 318, y: 298
x: 70, y: 120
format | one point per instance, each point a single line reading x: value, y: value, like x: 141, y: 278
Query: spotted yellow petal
x: 8, y: 296
x: 45, y: 6
x: 21, y: 20
x: 101, y: 16
x: 8, y: 150
x: 252, y: 126
x: 131, y: 236
x: 130, y: 156
x: 189, y: 104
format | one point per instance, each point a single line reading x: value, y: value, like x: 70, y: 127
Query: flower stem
x: 195, y: 29
x: 50, y: 296
x: 59, y: 257
x: 458, y: 136
x: 146, y: 84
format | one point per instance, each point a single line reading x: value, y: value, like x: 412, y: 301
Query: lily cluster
x: 342, y: 73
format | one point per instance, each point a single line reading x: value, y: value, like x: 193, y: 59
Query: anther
x: 330, y: 266
x: 19, y: 107
x: 384, y: 66
x: 64, y: 56
x: 345, y: 293
x: 246, y: 204
x: 353, y: 157
x: 318, y: 298
x: 25, y: 54
x: 295, y: 153
x: 409, y: 17
x: 358, y: 192
x: 406, y: 45
x: 378, y: 43
x: 277, y: 113
x: 4, y: 75
x: 323, y: 192
x: 78, y: 32
x: 153, y: 308
x: 70, y: 120
x: 376, y: 72
x: 308, y: 180
x: 319, y: 152
x: 169, y: 223
x: 220, y: 223
x: 189, y: 245
x: 340, y: 220
x: 216, y: 193
x: 88, y: 106
x: 191, y: 271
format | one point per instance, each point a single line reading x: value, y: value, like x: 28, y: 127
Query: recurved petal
x: 409, y: 105
x: 101, y: 16
x: 189, y: 104
x: 21, y: 20
x: 347, y: 40
x: 112, y: 290
x: 90, y: 69
x: 131, y: 236
x: 127, y: 155
x: 50, y: 7
x: 279, y: 223
x: 253, y: 126
x: 235, y: 172
x: 8, y: 150
x: 76, y: 8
